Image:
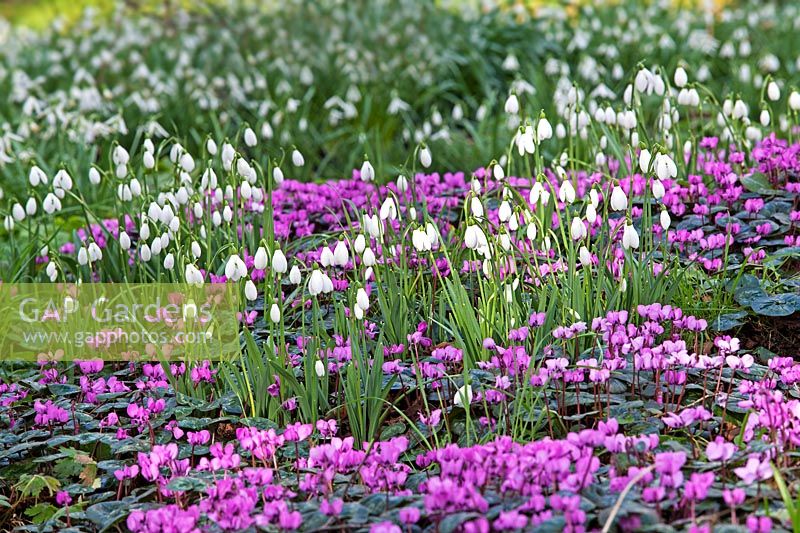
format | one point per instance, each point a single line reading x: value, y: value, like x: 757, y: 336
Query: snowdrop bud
x: 644, y: 160
x: 124, y: 241
x: 619, y: 202
x: 235, y: 269
x: 297, y: 158
x: 246, y: 190
x: 319, y: 369
x: 193, y: 275
x: 764, y: 118
x: 30, y: 206
x: 94, y: 176
x: 665, y: 219
x: 591, y: 213
x: 658, y: 189
x: 8, y: 223
x: 83, y: 256
x: 739, y: 110
x: 577, y: 229
x: 260, y: 259
x: 174, y: 225
x: 95, y: 253
x: 250, y: 291
x: 145, y: 253
x: 359, y: 244
x: 51, y: 204
x: 368, y: 257
x: 51, y: 271
x: 665, y: 167
x: 367, y: 172
x: 630, y: 238
x: 476, y: 207
x: 326, y: 257
x: 544, y: 130
x: 18, y: 212
x: 680, y: 77
x: 340, y: 254
x: 148, y: 160
x: 316, y: 283
x: 277, y: 175
x: 362, y: 300
x: 497, y: 172
x: 187, y: 162
x: 463, y: 396
x: 196, y: 251
x: 36, y: 176
x: 585, y: 257
x: 120, y: 156
x: 425, y: 157
x: 135, y: 188
x: 275, y: 314
x: 504, y: 213
x: 156, y: 246
x: 294, y: 276
x: 773, y: 91
x: 250, y: 137
x: 169, y: 261
x: 402, y: 184
x: 512, y: 104
x: 266, y: 130
x: 227, y: 213
x: 566, y: 192
x: 211, y: 146
x: 279, y: 263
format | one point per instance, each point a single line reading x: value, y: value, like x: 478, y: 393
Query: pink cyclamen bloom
x: 720, y: 450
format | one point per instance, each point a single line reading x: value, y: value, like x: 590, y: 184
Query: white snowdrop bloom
x: 665, y: 219
x: 228, y: 155
x: 577, y: 229
x: 51, y: 271
x: 566, y: 192
x: 245, y: 190
x: 197, y: 210
x: 193, y: 275
x: 18, y: 212
x: 425, y: 157
x: 211, y: 146
x: 680, y: 77
x: 471, y: 237
x: 124, y: 240
x: 362, y: 300
x: 739, y: 110
x: 277, y: 175
x: 175, y: 225
x: 196, y: 250
x: 367, y: 172
x: 665, y: 167
x: 156, y: 246
x: 644, y: 81
x: 476, y: 207
x: 297, y: 158
x: 62, y: 180
x: 525, y: 142
x: 591, y: 213
x: 294, y: 275
x: 327, y: 284
x: 275, y: 313
x: 360, y: 243
x: 432, y: 233
x: 145, y: 253
x: 37, y: 176
x: 498, y: 172
x: 135, y: 188
x: 243, y: 167
x: 536, y: 193
x: 51, y: 204
x: 260, y: 258
x: 794, y: 101
x: 94, y: 251
x: 764, y: 118
x: 463, y: 396
x: 250, y: 291
x: 227, y: 213
x: 83, y: 256
x: 658, y: 189
x: 585, y: 257
x: 619, y: 201
x: 8, y: 223
x: 388, y: 209
x: 326, y: 258
x: 187, y: 162
x: 31, y: 206
x: 144, y: 231
x: 368, y: 257
x: 420, y: 240
x: 402, y: 184
x: 504, y: 212
x: 512, y: 104
x: 544, y: 130
x: 279, y: 263
x: 250, y: 137
x: 148, y: 146
x: 94, y: 176
x: 773, y: 91
x: 120, y: 156
x: 630, y: 237
x: 169, y: 261
x: 266, y: 130
x: 235, y: 269
x: 644, y: 160
x: 319, y: 369
x: 148, y: 160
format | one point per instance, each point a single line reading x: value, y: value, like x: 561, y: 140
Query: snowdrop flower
x: 658, y: 189
x: 169, y: 261
x: 498, y: 172
x: 340, y: 254
x: 764, y: 118
x: 476, y: 207
x: 591, y: 213
x: 124, y: 240
x: 18, y: 212
x: 211, y: 146
x: 319, y: 369
x: 794, y: 101
x: 388, y: 209
x: 504, y: 212
x: 537, y: 192
x: 148, y: 161
x: 680, y: 78
x: 62, y: 180
x: 196, y: 251
x: 665, y: 167
x: 425, y: 157
x: 277, y: 175
x: 250, y: 291
x: 8, y: 223
x: 120, y: 156
x: 279, y: 263
x: 619, y: 202
x: 420, y: 240
x: 250, y: 137
x: 577, y: 229
x: 326, y: 258
x: 362, y: 300
x: 297, y: 158
x: 31, y: 206
x: 630, y: 238
x: 260, y: 259
x: 524, y: 141
x: 566, y: 192
x: 773, y: 91
x: 402, y: 184
x: 512, y: 104
x: 51, y: 204
x: 51, y: 271
x: 544, y: 130
x: 665, y: 220
x: 368, y: 258
x: 644, y: 160
x: 275, y: 314
x: 235, y: 269
x: 367, y: 171
x: 360, y: 244
x: 83, y: 256
x: 37, y: 176
x: 294, y: 276
x: 186, y: 162
x: 94, y: 176
x: 463, y: 396
x: 585, y: 257
x: 145, y: 253
x: 193, y: 275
